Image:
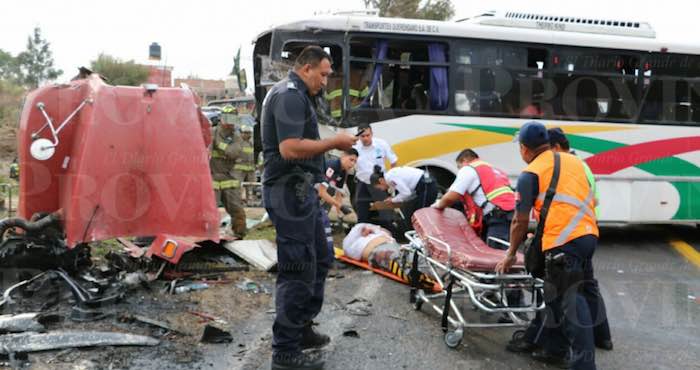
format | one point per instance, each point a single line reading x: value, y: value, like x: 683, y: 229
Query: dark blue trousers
x: 304, y: 257
x: 569, y: 316
x: 553, y: 339
x: 497, y: 226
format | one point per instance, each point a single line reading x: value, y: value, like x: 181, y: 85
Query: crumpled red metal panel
x: 130, y: 163
x: 469, y: 252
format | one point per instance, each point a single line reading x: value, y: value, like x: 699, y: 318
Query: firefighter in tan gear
x: 227, y: 148
x: 244, y: 169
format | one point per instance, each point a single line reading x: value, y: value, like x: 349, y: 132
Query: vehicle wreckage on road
x: 100, y: 162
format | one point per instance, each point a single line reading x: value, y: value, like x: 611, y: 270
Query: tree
x: 119, y: 72
x: 9, y: 67
x: 236, y: 63
x: 440, y: 10
x: 36, y: 63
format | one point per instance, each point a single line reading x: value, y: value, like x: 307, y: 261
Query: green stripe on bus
x: 689, y: 207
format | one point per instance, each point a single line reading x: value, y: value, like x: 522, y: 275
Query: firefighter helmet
x: 229, y: 115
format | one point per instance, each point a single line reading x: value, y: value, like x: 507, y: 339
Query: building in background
x: 206, y: 89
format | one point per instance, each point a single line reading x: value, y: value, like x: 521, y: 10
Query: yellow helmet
x: 229, y: 109
x: 229, y: 115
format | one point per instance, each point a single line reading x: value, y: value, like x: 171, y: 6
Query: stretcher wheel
x: 418, y: 304
x: 518, y: 335
x: 454, y: 338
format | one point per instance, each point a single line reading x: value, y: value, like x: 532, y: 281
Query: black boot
x: 518, y: 343
x: 520, y: 346
x: 561, y: 361
x: 300, y: 361
x: 605, y: 344
x: 310, y: 338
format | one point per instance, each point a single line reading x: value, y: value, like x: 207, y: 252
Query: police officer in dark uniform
x: 293, y: 155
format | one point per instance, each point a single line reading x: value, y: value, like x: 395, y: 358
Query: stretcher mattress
x: 469, y: 252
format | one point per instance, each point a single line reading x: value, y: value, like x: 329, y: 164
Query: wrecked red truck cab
x: 114, y: 161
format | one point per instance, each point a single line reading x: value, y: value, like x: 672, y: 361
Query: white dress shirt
x: 354, y: 243
x: 404, y: 180
x: 372, y: 155
x: 467, y: 182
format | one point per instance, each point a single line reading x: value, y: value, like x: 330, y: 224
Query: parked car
x: 213, y: 114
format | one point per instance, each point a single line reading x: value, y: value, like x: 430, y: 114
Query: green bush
x: 119, y: 72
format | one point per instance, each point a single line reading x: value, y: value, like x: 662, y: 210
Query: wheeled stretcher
x: 463, y: 266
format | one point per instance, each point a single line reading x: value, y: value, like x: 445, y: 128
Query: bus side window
x: 498, y: 79
x: 673, y: 92
x: 695, y: 100
x: 398, y: 74
x: 594, y: 85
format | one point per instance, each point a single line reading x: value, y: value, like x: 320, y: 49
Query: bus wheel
x: 443, y: 177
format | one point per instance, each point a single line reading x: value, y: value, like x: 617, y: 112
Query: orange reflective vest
x: 572, y: 212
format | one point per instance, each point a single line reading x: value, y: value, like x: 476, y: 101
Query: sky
x: 201, y: 37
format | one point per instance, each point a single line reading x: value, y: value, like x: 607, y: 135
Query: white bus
x: 629, y: 103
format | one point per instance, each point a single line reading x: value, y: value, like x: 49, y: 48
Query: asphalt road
x: 648, y: 286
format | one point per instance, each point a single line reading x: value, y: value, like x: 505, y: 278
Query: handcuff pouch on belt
x: 560, y: 276
x: 302, y: 182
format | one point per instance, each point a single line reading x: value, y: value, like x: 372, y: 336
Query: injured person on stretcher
x: 374, y: 245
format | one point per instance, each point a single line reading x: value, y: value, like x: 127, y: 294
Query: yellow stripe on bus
x: 445, y: 142
x: 585, y: 129
x: 437, y: 145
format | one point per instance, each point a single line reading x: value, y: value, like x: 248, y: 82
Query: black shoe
x: 299, y: 361
x: 310, y: 338
x: 505, y: 318
x: 605, y: 344
x: 521, y: 346
x: 518, y: 344
x: 557, y: 360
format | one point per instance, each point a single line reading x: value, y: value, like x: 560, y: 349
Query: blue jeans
x: 304, y: 257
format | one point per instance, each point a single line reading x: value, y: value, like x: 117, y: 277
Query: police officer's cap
x: 533, y: 135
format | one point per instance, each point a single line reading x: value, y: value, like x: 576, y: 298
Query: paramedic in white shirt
x: 412, y: 187
x: 374, y: 245
x: 372, y: 152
